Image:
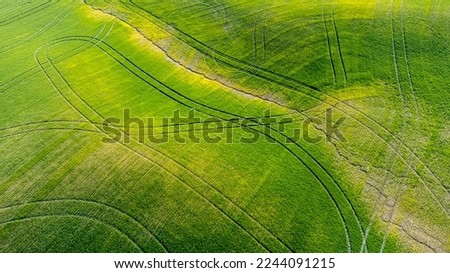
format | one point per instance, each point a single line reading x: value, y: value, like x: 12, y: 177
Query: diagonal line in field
x: 391, y: 216
x: 148, y: 158
x: 171, y: 97
x: 36, y: 69
x: 329, y: 45
x: 284, y: 146
x: 294, y: 85
x: 338, y: 41
x: 408, y: 69
x: 394, y: 55
x: 53, y: 23
x: 28, y: 12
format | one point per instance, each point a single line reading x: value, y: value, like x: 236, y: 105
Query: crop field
x: 305, y: 126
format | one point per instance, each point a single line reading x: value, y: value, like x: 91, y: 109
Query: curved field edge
x: 27, y: 165
x: 369, y: 168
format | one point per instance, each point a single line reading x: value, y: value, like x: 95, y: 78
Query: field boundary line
x: 303, y: 85
x: 202, y: 196
x: 214, y: 109
x: 289, y: 150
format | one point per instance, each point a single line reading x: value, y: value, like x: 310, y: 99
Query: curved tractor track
x: 101, y: 43
x: 439, y: 192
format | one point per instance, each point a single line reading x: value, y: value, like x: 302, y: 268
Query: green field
x: 382, y: 67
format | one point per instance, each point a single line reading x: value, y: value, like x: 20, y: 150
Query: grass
x: 68, y: 66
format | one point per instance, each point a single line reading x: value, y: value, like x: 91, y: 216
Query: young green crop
x: 70, y: 66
